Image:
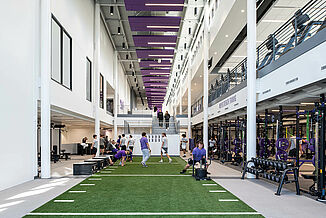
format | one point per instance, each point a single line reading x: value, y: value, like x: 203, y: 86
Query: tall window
x: 88, y: 80
x: 101, y: 91
x: 61, y: 55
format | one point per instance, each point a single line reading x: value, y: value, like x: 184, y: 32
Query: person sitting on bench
x: 122, y: 154
x: 198, y: 154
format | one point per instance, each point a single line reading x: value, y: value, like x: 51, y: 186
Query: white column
x: 116, y: 101
x: 205, y: 79
x: 189, y: 100
x: 251, y: 80
x: 180, y: 106
x: 97, y: 26
x: 45, y: 87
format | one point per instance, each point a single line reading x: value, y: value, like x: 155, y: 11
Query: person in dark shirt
x: 160, y: 118
x: 198, y: 154
x: 167, y: 119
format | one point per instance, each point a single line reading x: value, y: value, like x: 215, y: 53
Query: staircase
x: 173, y: 126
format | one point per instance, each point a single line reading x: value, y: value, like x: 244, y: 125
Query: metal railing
x: 303, y: 25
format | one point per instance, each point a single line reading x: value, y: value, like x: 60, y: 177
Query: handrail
x: 303, y: 25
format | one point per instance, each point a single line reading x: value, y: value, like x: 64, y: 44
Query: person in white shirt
x: 211, y: 147
x: 164, y: 148
x: 123, y: 142
x: 131, y: 143
x: 183, y: 144
x: 94, y: 145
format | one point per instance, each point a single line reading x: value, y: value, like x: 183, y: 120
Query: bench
x: 84, y: 168
x: 273, y: 170
x: 99, y: 163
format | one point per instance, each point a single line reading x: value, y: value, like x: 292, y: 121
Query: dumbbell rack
x: 273, y: 170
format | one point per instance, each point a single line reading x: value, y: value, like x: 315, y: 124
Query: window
x: 88, y: 80
x: 101, y: 91
x: 61, y: 48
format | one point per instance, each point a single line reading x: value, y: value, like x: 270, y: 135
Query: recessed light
x: 163, y: 27
x: 159, y: 43
x: 215, y: 53
x: 242, y: 11
x: 226, y: 36
x: 161, y: 55
x: 164, y: 4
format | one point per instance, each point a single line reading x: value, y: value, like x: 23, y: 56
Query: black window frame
x: 90, y: 80
x: 62, y: 31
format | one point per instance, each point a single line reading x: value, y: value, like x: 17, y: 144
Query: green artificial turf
x: 122, y: 194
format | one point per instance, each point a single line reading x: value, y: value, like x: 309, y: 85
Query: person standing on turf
x: 94, y: 146
x: 183, y: 143
x: 119, y: 142
x: 123, y: 142
x: 131, y: 143
x: 198, y: 154
x: 164, y: 148
x: 145, y: 149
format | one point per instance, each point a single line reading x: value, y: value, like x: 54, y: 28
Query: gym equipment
x: 86, y: 168
x: 99, y: 163
x: 273, y: 170
x: 201, y: 172
x: 282, y: 145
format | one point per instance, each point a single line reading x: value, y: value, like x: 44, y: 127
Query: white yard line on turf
x: 228, y: 200
x: 64, y: 201
x: 153, y: 163
x: 147, y: 214
x: 106, y: 171
x: 217, y: 191
x: 85, y: 184
x: 144, y: 175
x: 209, y: 184
x: 77, y: 191
x: 96, y: 179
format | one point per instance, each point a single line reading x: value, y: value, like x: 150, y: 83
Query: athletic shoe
x: 142, y: 163
x: 161, y: 161
x: 145, y: 165
x: 170, y: 160
x: 183, y: 172
x: 184, y: 155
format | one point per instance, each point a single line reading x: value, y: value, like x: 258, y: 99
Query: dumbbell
x: 273, y: 176
x: 277, y: 178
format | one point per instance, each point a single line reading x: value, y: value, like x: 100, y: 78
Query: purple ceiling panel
x: 155, y: 53
x: 148, y: 64
x: 154, y: 23
x: 155, y: 89
x: 154, y: 5
x: 155, y: 72
x: 155, y: 41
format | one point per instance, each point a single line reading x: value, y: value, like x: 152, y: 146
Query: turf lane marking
x: 217, y: 191
x: 64, y: 201
x: 227, y: 200
x: 146, y: 214
x: 86, y: 184
x: 143, y: 175
x: 96, y: 179
x: 77, y: 191
x: 209, y: 184
x: 106, y: 171
x: 113, y: 167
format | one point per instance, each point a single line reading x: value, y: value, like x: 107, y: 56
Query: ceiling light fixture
x: 111, y: 10
x: 160, y: 65
x: 163, y: 27
x: 308, y: 103
x: 160, y: 43
x: 158, y: 55
x: 164, y: 4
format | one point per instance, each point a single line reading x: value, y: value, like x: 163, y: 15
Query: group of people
x: 162, y: 117
x: 123, y: 147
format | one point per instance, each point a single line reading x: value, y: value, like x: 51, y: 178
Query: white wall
x: 74, y: 135
x: 18, y: 112
x: 77, y: 17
